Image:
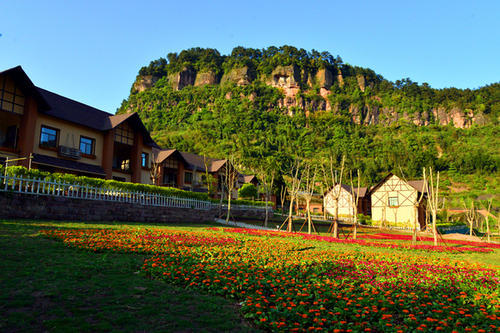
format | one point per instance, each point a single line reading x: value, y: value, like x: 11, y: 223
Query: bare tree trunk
x: 290, y: 216
x: 266, y: 219
x: 308, y: 202
x: 336, y: 221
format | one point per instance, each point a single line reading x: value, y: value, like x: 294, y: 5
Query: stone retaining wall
x: 27, y: 206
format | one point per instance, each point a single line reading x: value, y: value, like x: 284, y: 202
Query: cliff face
x: 312, y: 92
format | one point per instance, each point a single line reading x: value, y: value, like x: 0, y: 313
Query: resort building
x: 63, y: 135
x: 194, y: 172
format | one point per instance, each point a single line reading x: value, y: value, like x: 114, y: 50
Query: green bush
x: 117, y: 185
x: 364, y: 219
x: 248, y: 191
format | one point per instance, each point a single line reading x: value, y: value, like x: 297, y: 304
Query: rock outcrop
x: 184, y: 78
x: 239, y: 76
x: 203, y: 78
x: 324, y: 78
x: 285, y: 77
x: 361, y: 82
x: 144, y: 82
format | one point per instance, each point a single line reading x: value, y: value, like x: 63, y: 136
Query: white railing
x: 248, y: 207
x: 62, y: 189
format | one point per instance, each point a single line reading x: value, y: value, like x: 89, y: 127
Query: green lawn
x: 48, y: 287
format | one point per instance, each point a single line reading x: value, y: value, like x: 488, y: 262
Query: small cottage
x: 395, y: 203
x: 346, y: 199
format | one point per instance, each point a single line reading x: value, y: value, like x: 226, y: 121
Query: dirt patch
x: 462, y: 237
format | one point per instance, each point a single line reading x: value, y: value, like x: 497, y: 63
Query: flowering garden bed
x: 305, y: 283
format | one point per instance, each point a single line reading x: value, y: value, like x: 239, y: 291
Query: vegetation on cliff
x: 256, y: 120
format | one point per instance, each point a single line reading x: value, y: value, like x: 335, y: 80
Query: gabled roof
x: 248, y: 178
x: 64, y: 108
x: 362, y: 190
x: 197, y: 162
x: 162, y: 155
x: 418, y: 185
x: 193, y: 161
x: 24, y: 82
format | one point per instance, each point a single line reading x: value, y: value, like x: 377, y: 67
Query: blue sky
x: 91, y: 50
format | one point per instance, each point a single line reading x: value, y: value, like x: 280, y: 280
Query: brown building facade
x: 63, y: 135
x: 195, y: 173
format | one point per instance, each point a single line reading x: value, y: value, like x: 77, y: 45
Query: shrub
x: 248, y: 191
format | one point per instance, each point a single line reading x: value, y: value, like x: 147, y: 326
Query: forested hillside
x: 281, y: 102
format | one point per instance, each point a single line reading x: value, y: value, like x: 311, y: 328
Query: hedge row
x: 116, y: 185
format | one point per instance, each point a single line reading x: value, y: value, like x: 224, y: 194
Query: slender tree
x: 355, y: 200
x: 230, y: 180
x: 266, y: 173
x: 433, y: 200
x: 470, y: 215
x: 292, y: 181
x: 336, y: 183
x: 308, y: 179
x: 155, y: 171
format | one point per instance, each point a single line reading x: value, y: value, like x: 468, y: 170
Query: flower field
x: 297, y: 282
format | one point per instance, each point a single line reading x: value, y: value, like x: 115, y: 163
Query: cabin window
x: 393, y: 202
x: 87, y: 145
x: 48, y: 137
x: 188, y: 177
x: 124, y: 134
x: 144, y: 160
x: 171, y: 163
x: 11, y: 98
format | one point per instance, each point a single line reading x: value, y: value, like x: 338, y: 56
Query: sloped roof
x: 75, y: 112
x: 72, y: 111
x: 248, y: 178
x: 82, y: 114
x: 162, y: 155
x: 216, y: 165
x: 418, y: 184
x: 362, y: 190
x: 193, y: 161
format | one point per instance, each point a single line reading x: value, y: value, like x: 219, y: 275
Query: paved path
x: 242, y: 225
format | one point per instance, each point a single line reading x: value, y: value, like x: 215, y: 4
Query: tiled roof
x: 193, y: 161
x: 78, y: 113
x: 362, y: 190
x: 162, y: 155
x: 418, y: 185
x: 75, y: 112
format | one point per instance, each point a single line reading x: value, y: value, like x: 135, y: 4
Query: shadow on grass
x: 46, y: 286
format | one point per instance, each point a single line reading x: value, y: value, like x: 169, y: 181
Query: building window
x: 171, y: 163
x: 48, y: 137
x: 393, y: 202
x: 145, y: 160
x: 11, y: 98
x: 125, y: 165
x: 169, y: 176
x: 188, y: 177
x: 87, y: 145
x: 124, y: 134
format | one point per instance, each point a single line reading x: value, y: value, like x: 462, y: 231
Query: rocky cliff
x: 334, y: 87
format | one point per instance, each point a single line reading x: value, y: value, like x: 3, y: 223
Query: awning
x: 68, y: 164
